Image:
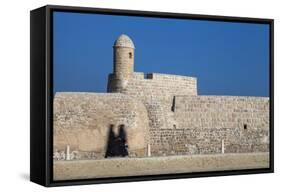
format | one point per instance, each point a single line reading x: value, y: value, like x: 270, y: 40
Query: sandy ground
x: 83, y: 169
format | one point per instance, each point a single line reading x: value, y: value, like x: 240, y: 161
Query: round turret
x: 124, y: 54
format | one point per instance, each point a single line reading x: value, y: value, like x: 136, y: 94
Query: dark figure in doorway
x: 117, y: 145
x: 111, y: 147
x: 123, y: 141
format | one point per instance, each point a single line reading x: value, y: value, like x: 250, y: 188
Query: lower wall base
x: 85, y: 169
x: 166, y: 142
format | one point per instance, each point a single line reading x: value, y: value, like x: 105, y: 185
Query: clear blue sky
x: 227, y: 58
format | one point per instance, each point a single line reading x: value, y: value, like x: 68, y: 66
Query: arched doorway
x: 117, y: 145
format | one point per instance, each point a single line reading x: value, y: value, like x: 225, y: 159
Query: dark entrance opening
x: 117, y: 144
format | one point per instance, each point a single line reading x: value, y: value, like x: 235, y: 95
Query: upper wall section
x: 154, y: 84
x: 222, y: 112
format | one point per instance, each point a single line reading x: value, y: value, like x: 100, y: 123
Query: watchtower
x: 123, y: 57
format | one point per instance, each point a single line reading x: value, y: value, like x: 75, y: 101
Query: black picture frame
x: 41, y: 86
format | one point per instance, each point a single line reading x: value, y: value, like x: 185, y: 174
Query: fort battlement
x: 153, y: 84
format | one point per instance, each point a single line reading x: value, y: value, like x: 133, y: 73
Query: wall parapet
x: 153, y: 84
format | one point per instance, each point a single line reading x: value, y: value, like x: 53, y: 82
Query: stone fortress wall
x: 82, y: 121
x: 181, y: 122
x: 162, y: 113
x: 214, y: 124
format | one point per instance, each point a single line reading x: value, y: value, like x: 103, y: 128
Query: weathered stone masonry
x: 82, y: 120
x: 204, y: 123
x: 163, y: 115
